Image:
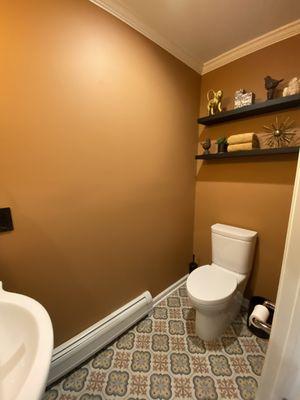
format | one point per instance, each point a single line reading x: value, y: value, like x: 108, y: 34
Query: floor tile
x: 162, y: 358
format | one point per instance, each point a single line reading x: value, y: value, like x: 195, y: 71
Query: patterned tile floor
x: 162, y: 358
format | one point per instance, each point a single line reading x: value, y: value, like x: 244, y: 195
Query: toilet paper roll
x: 261, y: 313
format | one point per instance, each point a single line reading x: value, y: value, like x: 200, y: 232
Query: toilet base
x: 210, y: 324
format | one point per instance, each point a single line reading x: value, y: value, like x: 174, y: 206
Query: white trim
x: 161, y: 296
x: 280, y: 375
x: 277, y: 35
x: 122, y: 13
x: 70, y: 354
x: 73, y: 352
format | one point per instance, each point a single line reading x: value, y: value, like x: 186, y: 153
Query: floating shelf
x: 281, y: 103
x: 248, y: 153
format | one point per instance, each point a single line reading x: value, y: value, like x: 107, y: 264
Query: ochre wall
x: 98, y: 134
x: 253, y: 193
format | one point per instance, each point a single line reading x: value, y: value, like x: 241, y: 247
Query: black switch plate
x: 6, y: 223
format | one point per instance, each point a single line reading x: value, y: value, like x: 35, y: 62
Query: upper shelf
x: 280, y: 103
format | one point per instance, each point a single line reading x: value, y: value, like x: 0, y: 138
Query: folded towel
x: 240, y: 147
x: 242, y: 138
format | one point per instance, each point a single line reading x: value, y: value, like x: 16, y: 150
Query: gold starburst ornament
x: 280, y: 133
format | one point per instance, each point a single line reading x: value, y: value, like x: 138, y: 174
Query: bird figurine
x: 270, y: 85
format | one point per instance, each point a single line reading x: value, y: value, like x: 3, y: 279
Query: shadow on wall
x: 258, y: 169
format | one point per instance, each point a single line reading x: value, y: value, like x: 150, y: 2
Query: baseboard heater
x: 76, y: 350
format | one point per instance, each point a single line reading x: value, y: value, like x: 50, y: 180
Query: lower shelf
x: 248, y: 153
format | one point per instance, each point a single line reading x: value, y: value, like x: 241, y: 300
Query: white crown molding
x: 122, y: 13
x: 119, y: 10
x: 277, y: 35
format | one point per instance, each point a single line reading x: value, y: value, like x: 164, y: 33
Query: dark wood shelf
x: 248, y: 153
x: 280, y: 103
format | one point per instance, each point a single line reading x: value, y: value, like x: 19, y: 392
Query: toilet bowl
x: 216, y: 290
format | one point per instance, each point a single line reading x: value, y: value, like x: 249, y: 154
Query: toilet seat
x: 211, y: 285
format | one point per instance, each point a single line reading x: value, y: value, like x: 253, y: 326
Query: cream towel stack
x: 243, y: 141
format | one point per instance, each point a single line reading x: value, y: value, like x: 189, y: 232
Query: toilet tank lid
x: 234, y: 232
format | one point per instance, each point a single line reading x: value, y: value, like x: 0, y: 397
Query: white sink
x: 26, y: 344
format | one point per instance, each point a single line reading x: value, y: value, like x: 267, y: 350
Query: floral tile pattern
x: 141, y: 361
x: 180, y: 364
x: 117, y: 383
x: 104, y: 359
x: 219, y: 365
x: 160, y: 386
x: 162, y: 358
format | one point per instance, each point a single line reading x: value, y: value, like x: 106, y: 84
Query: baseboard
x: 75, y: 351
x: 169, y: 290
x: 72, y: 353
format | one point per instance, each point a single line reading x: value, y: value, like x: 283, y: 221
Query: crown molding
x: 119, y: 10
x: 277, y: 35
x: 122, y: 13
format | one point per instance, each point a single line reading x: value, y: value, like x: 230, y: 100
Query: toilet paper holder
x: 264, y: 325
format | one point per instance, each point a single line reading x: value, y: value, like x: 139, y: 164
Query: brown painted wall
x: 253, y: 193
x: 98, y: 133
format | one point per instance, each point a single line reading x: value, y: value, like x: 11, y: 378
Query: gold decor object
x: 280, y: 133
x: 214, y: 102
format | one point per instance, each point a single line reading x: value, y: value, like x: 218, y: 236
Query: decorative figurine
x: 206, y: 145
x: 280, y: 134
x: 214, y: 103
x: 241, y: 98
x: 293, y: 87
x: 271, y: 85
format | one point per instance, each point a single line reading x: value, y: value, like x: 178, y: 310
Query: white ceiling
x: 197, y: 31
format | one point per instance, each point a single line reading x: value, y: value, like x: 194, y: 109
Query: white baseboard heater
x: 76, y: 350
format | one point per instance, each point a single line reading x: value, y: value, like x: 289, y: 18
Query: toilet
x: 216, y: 290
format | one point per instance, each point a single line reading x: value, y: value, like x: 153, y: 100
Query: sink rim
x: 34, y: 384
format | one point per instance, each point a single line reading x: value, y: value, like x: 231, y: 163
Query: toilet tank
x: 233, y: 248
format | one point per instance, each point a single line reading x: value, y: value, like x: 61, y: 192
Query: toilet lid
x: 210, y: 284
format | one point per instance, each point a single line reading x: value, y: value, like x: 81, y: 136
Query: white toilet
x: 216, y: 290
